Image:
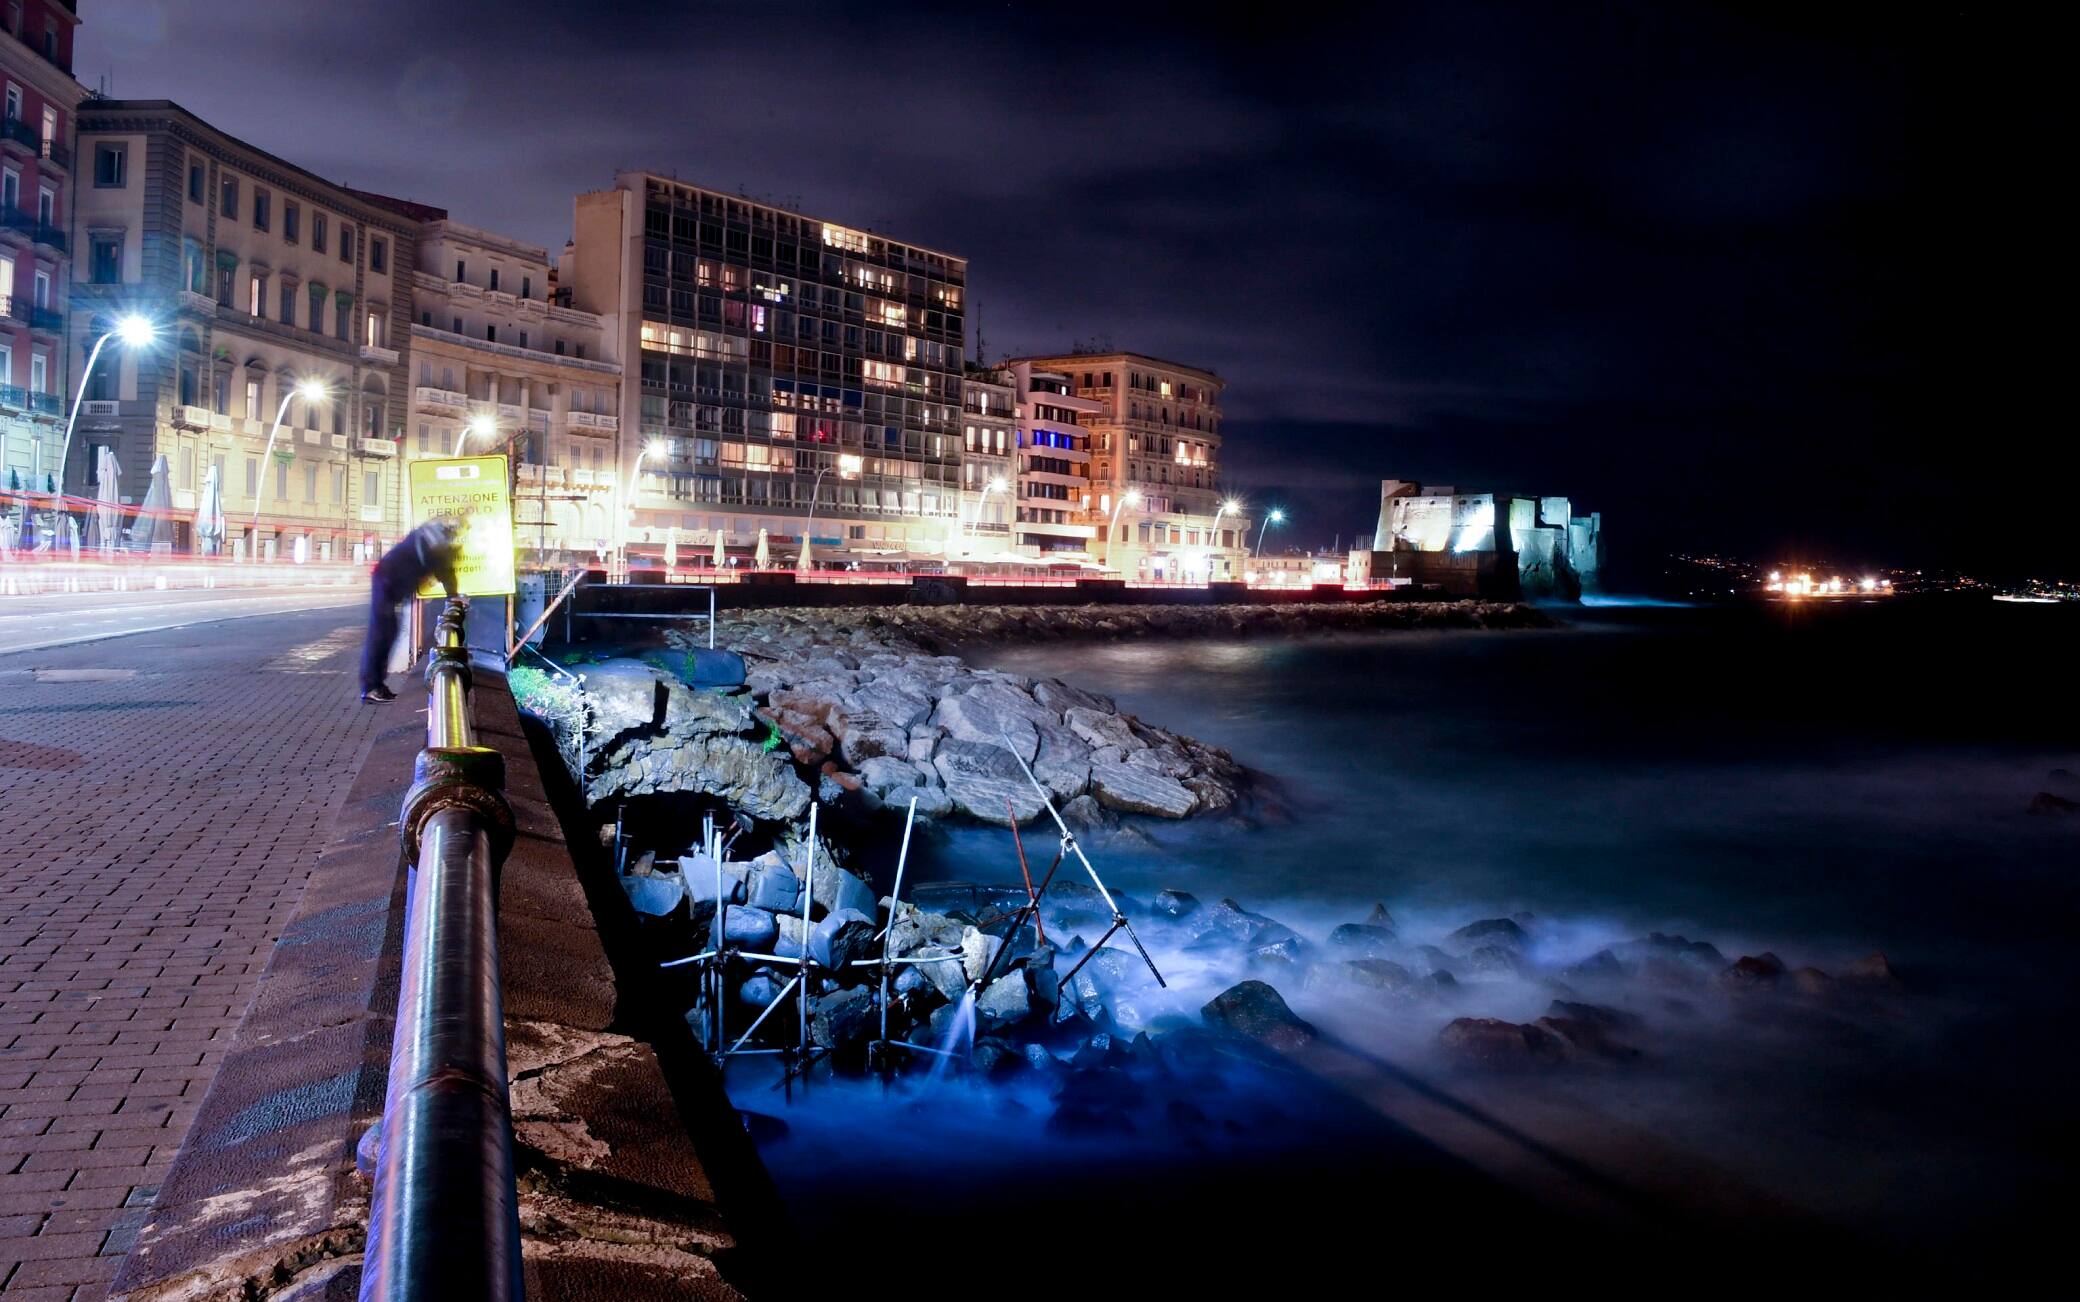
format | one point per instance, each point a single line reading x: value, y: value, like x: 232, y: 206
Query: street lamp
x: 653, y: 448
x: 848, y: 468
x: 1271, y: 517
x: 481, y: 425
x: 132, y: 331
x: 1213, y: 533
x: 1132, y: 497
x: 310, y: 389
x: 995, y: 484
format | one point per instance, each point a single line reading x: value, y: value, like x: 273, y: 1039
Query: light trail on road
x: 53, y: 620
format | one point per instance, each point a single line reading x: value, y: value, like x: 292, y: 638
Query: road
x: 34, y: 623
x: 165, y: 795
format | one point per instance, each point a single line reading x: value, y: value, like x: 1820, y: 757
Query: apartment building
x: 500, y: 365
x: 1155, y: 466
x: 776, y: 364
x: 263, y: 281
x: 1054, y: 462
x: 37, y: 166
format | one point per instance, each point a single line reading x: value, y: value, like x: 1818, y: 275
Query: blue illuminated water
x: 1817, y: 784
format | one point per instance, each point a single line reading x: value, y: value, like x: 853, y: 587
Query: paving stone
x: 141, y: 890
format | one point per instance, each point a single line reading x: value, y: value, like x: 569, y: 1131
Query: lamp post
x: 1132, y: 497
x: 1271, y: 517
x: 848, y: 468
x: 626, y: 507
x: 996, y: 482
x: 481, y: 425
x: 1213, y: 533
x: 310, y: 389
x: 132, y: 331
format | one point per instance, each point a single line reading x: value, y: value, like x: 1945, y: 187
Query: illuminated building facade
x: 760, y: 346
x: 1054, y: 462
x: 1155, y: 444
x: 38, y: 172
x: 989, y: 459
x: 501, y: 366
x: 258, y: 276
x: 1500, y: 545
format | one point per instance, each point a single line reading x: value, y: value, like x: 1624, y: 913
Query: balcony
x: 375, y: 447
x: 52, y: 237
x: 379, y: 354
x: 18, y: 136
x: 200, y: 304
x: 15, y: 308
x: 191, y: 417
x: 511, y: 415
x: 14, y: 221
x: 439, y: 399
x: 101, y: 407
x: 54, y: 152
x: 314, y: 438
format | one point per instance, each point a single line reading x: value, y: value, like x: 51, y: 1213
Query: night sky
x: 1721, y: 272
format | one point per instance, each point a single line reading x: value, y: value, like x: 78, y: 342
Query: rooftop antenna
x: 981, y: 351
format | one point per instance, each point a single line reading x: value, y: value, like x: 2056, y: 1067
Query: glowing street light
x: 1271, y: 517
x: 1132, y: 497
x: 132, y: 332
x: 310, y: 389
x: 996, y: 484
x: 626, y: 510
x: 1213, y: 533
x: 481, y: 425
x: 849, y: 465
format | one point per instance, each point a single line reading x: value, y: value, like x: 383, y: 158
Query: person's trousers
x: 382, y: 633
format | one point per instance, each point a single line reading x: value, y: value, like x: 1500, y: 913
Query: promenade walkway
x: 162, y: 799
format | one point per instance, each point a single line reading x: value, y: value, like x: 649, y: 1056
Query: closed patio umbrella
x: 153, y: 530
x: 802, y: 562
x: 209, y: 515
x: 671, y: 548
x: 107, y: 507
x: 716, y: 560
x: 764, y: 556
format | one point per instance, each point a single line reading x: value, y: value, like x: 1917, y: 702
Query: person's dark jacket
x: 429, y: 551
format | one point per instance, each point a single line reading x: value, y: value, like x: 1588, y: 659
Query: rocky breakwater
x: 941, y: 628
x: 841, y: 706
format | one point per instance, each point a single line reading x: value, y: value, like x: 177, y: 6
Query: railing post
x: 444, y: 1218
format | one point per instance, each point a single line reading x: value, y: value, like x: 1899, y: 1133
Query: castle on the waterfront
x: 1487, y: 544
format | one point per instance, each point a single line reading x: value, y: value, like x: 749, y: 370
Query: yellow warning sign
x: 472, y: 490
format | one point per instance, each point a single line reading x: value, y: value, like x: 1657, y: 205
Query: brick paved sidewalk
x: 156, y: 831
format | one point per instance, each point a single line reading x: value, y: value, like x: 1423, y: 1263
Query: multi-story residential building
x: 259, y: 276
x: 989, y: 459
x: 763, y: 352
x: 37, y: 173
x: 1157, y: 436
x: 500, y: 365
x: 1054, y: 462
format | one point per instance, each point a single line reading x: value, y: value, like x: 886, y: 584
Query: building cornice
x: 164, y: 117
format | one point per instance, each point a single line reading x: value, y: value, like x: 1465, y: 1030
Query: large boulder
x: 625, y: 696
x: 996, y: 714
x: 773, y: 886
x: 1135, y: 789
x: 837, y: 888
x: 1007, y: 1000
x: 863, y: 734
x: 898, y: 700
x: 1101, y: 728
x: 1501, y: 932
x: 844, y: 937
x: 1061, y: 698
x: 750, y: 928
x: 842, y: 1021
x: 736, y: 770
x: 1366, y: 940
x: 983, y: 779
x: 1258, y: 1012
x: 1492, y: 1043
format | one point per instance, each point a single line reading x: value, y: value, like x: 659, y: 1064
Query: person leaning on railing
x: 430, y: 551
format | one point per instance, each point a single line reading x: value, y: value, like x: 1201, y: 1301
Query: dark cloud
x: 1698, y: 266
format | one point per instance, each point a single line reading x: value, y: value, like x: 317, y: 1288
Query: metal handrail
x: 444, y: 1216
